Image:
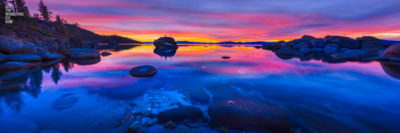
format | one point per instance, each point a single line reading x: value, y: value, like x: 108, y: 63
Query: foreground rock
x: 12, y: 46
x: 3, y: 58
x: 392, y: 51
x: 143, y: 71
x: 180, y: 114
x: 24, y: 57
x: 247, y: 114
x: 165, y: 43
x: 50, y: 56
x: 12, y: 65
x: 84, y: 53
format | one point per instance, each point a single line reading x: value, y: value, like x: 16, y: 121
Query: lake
x: 101, y: 95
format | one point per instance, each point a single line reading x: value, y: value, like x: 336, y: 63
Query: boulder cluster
x: 15, y: 54
x: 330, y: 48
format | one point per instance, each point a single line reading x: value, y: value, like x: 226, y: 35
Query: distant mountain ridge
x: 254, y: 42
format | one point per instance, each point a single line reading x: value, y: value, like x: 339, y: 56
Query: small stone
x: 143, y: 71
x: 225, y: 57
x: 170, y: 125
x: 105, y: 53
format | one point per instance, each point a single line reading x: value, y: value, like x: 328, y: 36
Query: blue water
x: 316, y: 96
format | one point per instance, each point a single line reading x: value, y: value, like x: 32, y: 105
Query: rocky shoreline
x: 333, y: 49
x: 16, y: 55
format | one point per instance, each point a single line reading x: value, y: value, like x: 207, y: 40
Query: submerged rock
x: 24, y: 57
x: 248, y: 114
x: 84, y: 53
x: 180, y: 114
x: 165, y: 43
x: 392, y: 51
x: 65, y: 101
x: 143, y: 71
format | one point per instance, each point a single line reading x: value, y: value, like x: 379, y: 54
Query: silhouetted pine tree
x: 21, y: 7
x: 44, y: 11
x: 2, y: 10
x: 35, y: 15
x: 61, y: 29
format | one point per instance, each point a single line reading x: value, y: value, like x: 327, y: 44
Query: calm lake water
x: 316, y: 96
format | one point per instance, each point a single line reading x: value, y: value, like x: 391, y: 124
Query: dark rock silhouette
x: 392, y: 51
x: 225, y: 57
x: 165, y: 43
x: 143, y: 71
x: 250, y: 115
x: 331, y: 49
x: 343, y: 42
x: 84, y: 53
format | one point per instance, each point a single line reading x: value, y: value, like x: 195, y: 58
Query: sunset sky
x: 231, y: 20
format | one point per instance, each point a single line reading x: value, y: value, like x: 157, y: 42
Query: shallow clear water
x: 316, y: 96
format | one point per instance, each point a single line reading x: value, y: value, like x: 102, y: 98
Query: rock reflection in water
x: 391, y: 68
x: 165, y: 52
x: 14, y: 83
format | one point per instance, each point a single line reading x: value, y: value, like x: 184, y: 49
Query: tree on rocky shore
x: 21, y: 7
x: 60, y: 26
x: 2, y: 9
x: 44, y: 11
